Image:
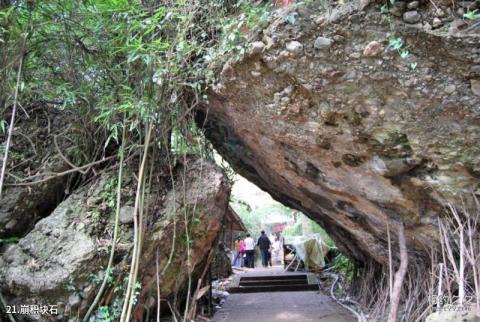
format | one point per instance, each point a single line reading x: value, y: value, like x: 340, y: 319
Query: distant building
x: 232, y: 227
x: 276, y: 223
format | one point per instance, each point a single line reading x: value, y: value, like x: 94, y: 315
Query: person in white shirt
x: 250, y: 251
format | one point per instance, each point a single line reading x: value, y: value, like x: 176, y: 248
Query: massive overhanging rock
x: 329, y: 119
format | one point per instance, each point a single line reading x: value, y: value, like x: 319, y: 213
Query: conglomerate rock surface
x: 331, y: 119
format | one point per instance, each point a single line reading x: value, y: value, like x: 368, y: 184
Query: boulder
x: 358, y: 144
x: 53, y: 262
x: 207, y: 192
x: 33, y: 155
x: 62, y: 260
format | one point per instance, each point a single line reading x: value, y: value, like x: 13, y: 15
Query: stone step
x: 275, y: 277
x: 274, y: 288
x: 273, y: 282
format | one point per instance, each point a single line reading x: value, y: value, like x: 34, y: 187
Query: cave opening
x: 289, y: 285
x: 258, y: 212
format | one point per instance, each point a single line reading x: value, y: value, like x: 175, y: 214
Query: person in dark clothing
x: 264, y: 245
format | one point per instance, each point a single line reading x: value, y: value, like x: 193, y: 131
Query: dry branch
x: 59, y: 174
x: 359, y: 315
x: 399, y: 276
x: 10, y: 128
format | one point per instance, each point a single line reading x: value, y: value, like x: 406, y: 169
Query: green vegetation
x: 108, y: 194
x: 104, y: 314
x: 111, y: 312
x: 133, y: 72
x: 254, y: 220
x: 137, y: 287
x: 107, y: 60
x: 3, y: 126
x: 472, y: 14
x: 344, y: 266
x: 397, y: 44
x: 70, y: 286
x: 306, y: 226
x: 244, y: 211
x: 9, y: 240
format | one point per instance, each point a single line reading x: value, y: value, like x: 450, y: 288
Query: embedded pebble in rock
x: 11, y: 224
x: 413, y: 5
x: 411, y: 17
x: 295, y: 47
x: 374, y: 48
x: 338, y: 38
x: 469, y: 5
x: 398, y: 8
x: 475, y: 83
x: 319, y: 20
x: 390, y: 132
x: 456, y: 26
x: 322, y: 43
x: 126, y: 215
x: 440, y: 13
x: 475, y: 70
x: 257, y: 47
x: 436, y: 23
x: 74, y: 300
x: 449, y: 89
x: 355, y: 55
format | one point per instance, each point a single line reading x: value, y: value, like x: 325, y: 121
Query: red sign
x: 280, y: 227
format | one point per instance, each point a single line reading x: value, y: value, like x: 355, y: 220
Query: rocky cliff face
x: 356, y: 118
x: 63, y: 259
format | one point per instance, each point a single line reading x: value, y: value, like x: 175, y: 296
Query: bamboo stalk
x: 127, y: 305
x: 115, y: 231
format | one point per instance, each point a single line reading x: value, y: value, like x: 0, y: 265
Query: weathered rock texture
x: 63, y: 259
x: 452, y: 316
x: 354, y: 140
x: 197, y: 205
x: 34, y: 155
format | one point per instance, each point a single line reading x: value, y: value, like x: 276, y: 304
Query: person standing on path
x: 249, y: 250
x: 264, y: 245
x: 239, y: 251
